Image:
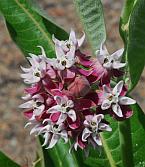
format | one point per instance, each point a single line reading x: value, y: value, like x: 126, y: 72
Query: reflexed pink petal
x: 55, y: 116
x: 127, y: 111
x: 28, y: 114
x: 85, y: 72
x: 34, y: 89
x: 81, y: 144
x: 73, y: 125
x: 83, y: 104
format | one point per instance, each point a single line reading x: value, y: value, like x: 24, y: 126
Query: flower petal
x: 72, y: 115
x: 86, y: 133
x: 97, y: 139
x: 117, y: 65
x: 53, y: 141
x: 81, y: 40
x: 117, y: 110
x: 106, y: 104
x: 123, y: 100
x: 118, y: 54
x: 105, y: 127
x: 118, y: 88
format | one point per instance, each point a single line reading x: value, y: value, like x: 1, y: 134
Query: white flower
x: 63, y: 60
x: 65, y: 107
x: 110, y: 61
x: 71, y: 42
x: 36, y: 103
x: 93, y: 125
x: 112, y: 98
x: 52, y: 133
x: 37, y: 70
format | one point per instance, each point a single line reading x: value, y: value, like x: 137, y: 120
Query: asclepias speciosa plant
x: 78, y: 105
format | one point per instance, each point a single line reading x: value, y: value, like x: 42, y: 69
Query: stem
x: 108, y: 153
x: 126, y: 143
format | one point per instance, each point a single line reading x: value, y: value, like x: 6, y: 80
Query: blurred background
x: 14, y: 139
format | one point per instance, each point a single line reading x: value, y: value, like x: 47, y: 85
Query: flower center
x: 63, y: 62
x: 110, y: 98
x: 55, y: 128
x: 106, y: 60
x: 93, y: 123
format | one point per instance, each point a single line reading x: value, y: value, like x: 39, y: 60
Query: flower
x: 63, y: 60
x: 113, y: 98
x: 71, y: 42
x: 64, y: 106
x: 93, y: 125
x: 37, y: 70
x: 36, y: 103
x: 69, y: 95
x: 52, y: 133
x: 110, y: 61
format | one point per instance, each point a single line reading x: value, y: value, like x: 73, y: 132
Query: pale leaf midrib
x: 35, y: 22
x: 108, y: 152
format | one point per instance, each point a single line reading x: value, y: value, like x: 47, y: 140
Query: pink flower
x: 36, y: 103
x: 52, y: 133
x: 110, y: 61
x: 71, y: 42
x: 113, y: 98
x: 64, y: 106
x: 93, y: 125
x: 107, y: 66
x: 37, y: 70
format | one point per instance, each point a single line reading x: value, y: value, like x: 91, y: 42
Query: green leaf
x: 138, y: 136
x: 29, y: 27
x: 133, y: 29
x: 91, y: 14
x: 7, y: 162
x: 59, y: 155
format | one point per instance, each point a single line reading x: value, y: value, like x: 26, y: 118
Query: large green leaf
x: 7, y: 162
x: 133, y: 26
x: 28, y: 27
x: 91, y: 14
x: 138, y: 136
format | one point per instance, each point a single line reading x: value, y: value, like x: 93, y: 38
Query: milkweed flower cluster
x: 69, y: 96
